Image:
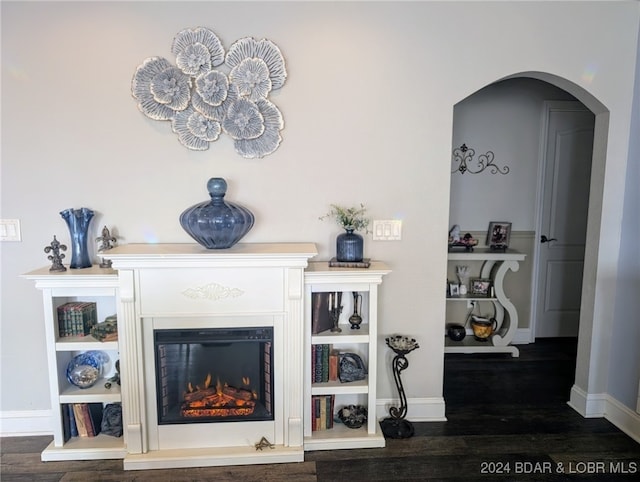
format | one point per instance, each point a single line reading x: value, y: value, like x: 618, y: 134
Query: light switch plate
x: 10, y: 230
x: 387, y: 230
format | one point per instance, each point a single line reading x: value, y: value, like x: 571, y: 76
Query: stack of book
x: 322, y: 407
x: 81, y: 419
x: 324, y: 364
x: 107, y: 330
x: 76, y: 318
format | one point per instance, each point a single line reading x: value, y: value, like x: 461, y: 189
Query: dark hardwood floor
x: 503, y: 414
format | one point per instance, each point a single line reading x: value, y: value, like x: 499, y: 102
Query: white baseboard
x: 589, y: 405
x: 38, y: 422
x: 522, y: 336
x: 623, y: 417
x: 419, y: 409
x: 604, y: 405
x: 25, y: 423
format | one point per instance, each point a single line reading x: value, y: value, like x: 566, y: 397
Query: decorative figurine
x: 264, y: 443
x: 462, y: 272
x: 467, y: 242
x: 115, y: 378
x: 454, y: 234
x: 56, y: 257
x: 106, y: 241
x: 355, y: 319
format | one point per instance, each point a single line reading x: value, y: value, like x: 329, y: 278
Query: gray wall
x: 625, y: 333
x: 368, y: 109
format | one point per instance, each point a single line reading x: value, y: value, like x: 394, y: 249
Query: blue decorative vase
x: 349, y: 246
x: 78, y: 223
x: 217, y: 224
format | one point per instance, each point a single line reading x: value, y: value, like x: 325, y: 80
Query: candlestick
x: 334, y: 313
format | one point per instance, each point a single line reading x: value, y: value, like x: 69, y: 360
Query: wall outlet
x: 10, y: 230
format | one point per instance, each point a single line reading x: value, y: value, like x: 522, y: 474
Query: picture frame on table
x: 499, y: 234
x: 481, y: 287
x: 454, y: 290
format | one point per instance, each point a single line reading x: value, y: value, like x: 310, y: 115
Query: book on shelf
x: 73, y: 428
x: 334, y: 263
x: 88, y: 418
x: 80, y: 420
x: 320, y: 319
x: 317, y: 373
x: 66, y: 423
x: 322, y: 407
x: 320, y: 355
x: 325, y: 363
x: 334, y: 356
x: 95, y: 416
x: 107, y: 330
x: 76, y: 318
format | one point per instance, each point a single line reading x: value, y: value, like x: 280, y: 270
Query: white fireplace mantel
x: 186, y: 284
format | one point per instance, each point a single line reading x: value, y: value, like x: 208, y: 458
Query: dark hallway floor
x: 504, y: 414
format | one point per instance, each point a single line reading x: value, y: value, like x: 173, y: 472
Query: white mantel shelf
x: 191, y: 254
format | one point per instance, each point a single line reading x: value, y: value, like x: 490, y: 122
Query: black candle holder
x: 334, y: 314
x: 396, y: 426
x: 335, y: 308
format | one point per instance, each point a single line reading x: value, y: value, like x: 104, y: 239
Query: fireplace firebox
x: 214, y: 375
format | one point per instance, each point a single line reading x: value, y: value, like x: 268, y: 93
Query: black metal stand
x: 396, y: 426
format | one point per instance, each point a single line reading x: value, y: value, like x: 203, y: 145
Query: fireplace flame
x: 220, y: 401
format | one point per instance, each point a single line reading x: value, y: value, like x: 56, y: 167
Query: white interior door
x: 565, y: 199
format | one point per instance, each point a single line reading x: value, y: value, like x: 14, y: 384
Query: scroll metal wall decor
x: 210, y: 91
x: 463, y: 159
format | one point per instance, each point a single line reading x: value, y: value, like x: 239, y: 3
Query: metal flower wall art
x: 209, y: 91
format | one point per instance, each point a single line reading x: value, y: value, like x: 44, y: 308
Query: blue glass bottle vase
x: 349, y: 247
x: 78, y: 221
x: 217, y: 224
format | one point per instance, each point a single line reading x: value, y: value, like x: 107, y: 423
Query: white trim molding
x: 430, y: 409
x: 522, y: 337
x: 623, y: 417
x: 589, y: 405
x: 604, y: 405
x: 23, y: 423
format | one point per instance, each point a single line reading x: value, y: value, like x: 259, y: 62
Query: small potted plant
x: 349, y: 245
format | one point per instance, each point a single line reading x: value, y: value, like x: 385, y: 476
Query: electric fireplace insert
x: 214, y: 375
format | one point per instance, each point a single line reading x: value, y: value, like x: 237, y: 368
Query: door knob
x: 544, y: 239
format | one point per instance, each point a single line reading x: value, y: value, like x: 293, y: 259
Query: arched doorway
x: 586, y: 340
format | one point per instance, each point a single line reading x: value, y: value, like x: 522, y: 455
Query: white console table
x: 495, y: 265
